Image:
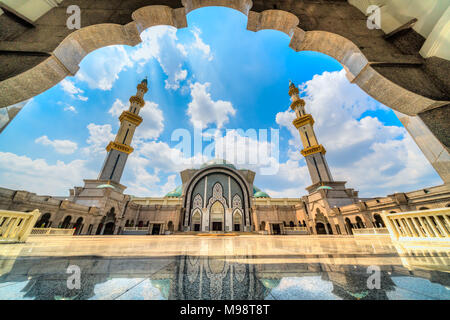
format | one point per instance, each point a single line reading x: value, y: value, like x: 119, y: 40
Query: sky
x: 213, y: 82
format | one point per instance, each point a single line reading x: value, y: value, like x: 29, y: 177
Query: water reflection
x: 219, y: 277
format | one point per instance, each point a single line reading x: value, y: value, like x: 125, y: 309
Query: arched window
x: 170, y: 226
x: 127, y: 223
x: 78, y: 225
x: 140, y: 224
x: 348, y: 226
x: 304, y: 223
x: 291, y: 224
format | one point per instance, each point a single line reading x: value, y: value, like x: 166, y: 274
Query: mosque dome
x: 214, y: 162
x: 324, y: 187
x: 257, y: 193
x: 176, y: 193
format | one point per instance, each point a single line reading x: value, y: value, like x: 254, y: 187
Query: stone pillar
x: 432, y: 148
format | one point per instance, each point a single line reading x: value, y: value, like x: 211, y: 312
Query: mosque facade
x: 217, y: 197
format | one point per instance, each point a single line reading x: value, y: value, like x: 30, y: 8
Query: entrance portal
x: 217, y: 226
x: 276, y: 229
x: 156, y: 229
x: 109, y: 228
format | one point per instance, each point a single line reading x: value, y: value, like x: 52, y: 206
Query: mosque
x: 217, y: 197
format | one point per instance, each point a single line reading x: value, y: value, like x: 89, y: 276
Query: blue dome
x: 175, y: 193
x: 324, y: 187
x: 214, y: 162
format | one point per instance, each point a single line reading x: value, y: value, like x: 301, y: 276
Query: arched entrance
x: 320, y: 228
x: 109, y: 228
x: 237, y: 221
x: 78, y: 226
x: 217, y: 213
x: 197, y: 220
x: 348, y: 225
x: 66, y: 222
x: 44, y: 221
x: 359, y: 223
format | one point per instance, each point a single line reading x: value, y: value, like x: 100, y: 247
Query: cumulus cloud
x: 371, y: 156
x: 24, y: 173
x: 74, y: 92
x: 71, y: 109
x: 60, y: 146
x: 99, y: 137
x: 202, y: 110
x: 160, y: 43
x: 106, y: 66
x: 199, y: 45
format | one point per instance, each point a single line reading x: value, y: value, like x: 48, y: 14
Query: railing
x: 370, y: 231
x: 422, y: 225
x: 15, y: 226
x: 52, y: 232
x: 295, y: 228
x: 135, y: 228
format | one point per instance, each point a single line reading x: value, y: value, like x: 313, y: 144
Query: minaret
x: 313, y: 152
x: 119, y: 149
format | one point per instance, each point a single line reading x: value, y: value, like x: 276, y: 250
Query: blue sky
x: 213, y: 75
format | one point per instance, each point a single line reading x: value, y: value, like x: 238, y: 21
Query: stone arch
x: 66, y: 222
x: 424, y: 208
x: 291, y: 224
x: 359, y: 222
x: 378, y: 221
x: 78, y: 225
x: 348, y: 226
x: 44, y: 221
x: 236, y: 175
x: 65, y: 59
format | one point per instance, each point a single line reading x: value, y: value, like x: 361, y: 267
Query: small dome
x: 324, y: 187
x: 175, y: 193
x: 214, y: 162
x: 103, y: 186
x: 257, y: 193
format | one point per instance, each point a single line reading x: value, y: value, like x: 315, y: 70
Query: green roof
x: 175, y: 193
x: 102, y: 186
x: 257, y: 193
x: 214, y: 162
x: 324, y: 187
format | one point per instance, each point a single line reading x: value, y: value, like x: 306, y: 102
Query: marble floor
x: 242, y: 267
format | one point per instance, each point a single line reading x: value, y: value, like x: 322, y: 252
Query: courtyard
x: 244, y: 267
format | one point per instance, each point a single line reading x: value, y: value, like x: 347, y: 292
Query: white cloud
x: 60, y: 146
x: 371, y: 156
x: 153, y: 119
x: 24, y: 173
x: 71, y: 109
x: 70, y: 88
x: 99, y: 137
x: 160, y: 43
x: 202, y: 110
x: 200, y: 45
x: 102, y: 70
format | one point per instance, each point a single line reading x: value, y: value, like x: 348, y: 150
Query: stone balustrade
x: 370, y: 231
x: 15, y: 226
x: 422, y: 225
x: 52, y: 232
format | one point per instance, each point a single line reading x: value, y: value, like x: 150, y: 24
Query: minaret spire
x: 119, y: 149
x: 313, y: 152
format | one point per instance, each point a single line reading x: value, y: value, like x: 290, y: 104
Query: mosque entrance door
x: 217, y: 213
x: 156, y: 229
x: 276, y: 228
x: 217, y: 226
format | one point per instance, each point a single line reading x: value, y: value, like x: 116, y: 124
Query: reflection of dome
x: 270, y: 283
x: 221, y: 162
x: 175, y: 193
x: 103, y: 186
x: 257, y: 193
